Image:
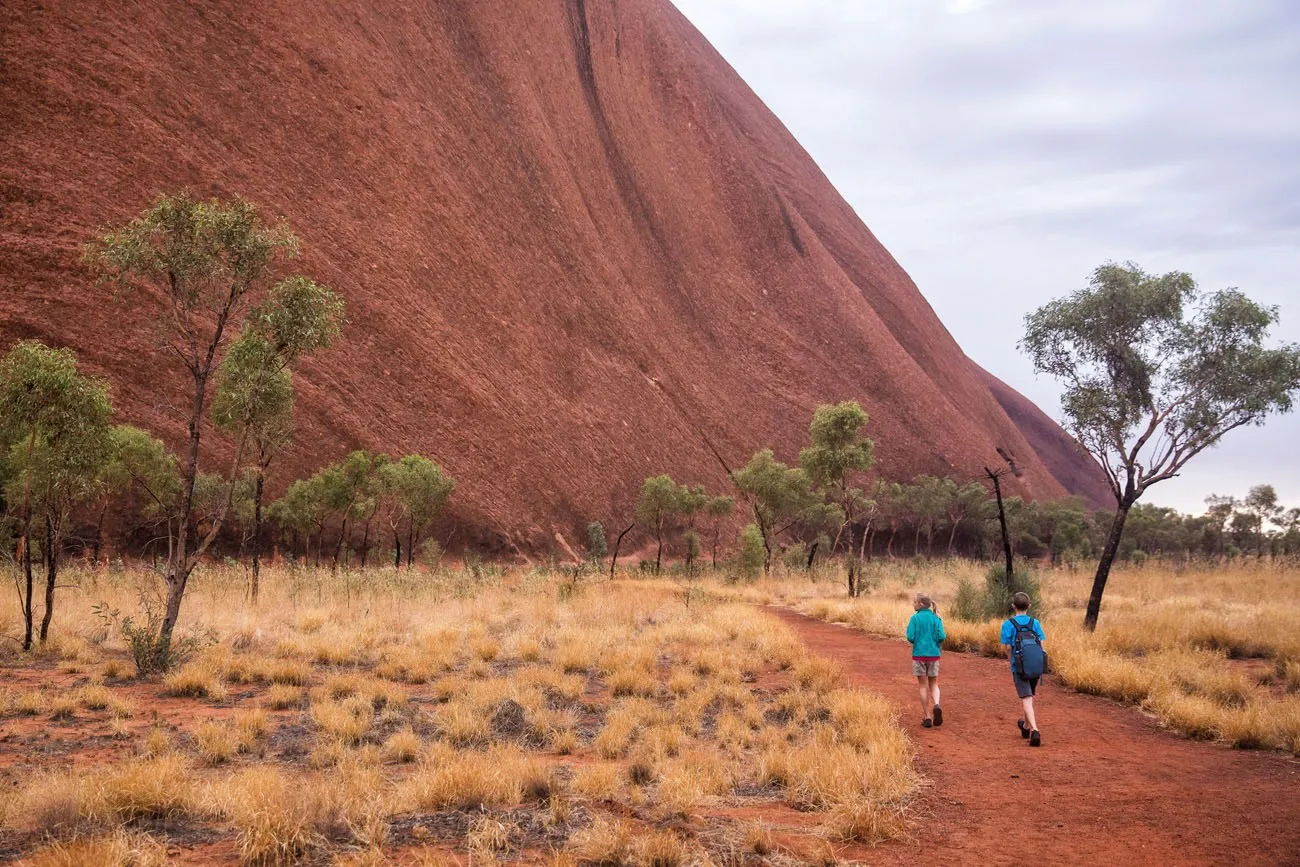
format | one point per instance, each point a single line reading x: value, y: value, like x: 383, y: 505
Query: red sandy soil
x: 1108, y: 786
x: 577, y: 250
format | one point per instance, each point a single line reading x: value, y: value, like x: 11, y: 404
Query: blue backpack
x: 1028, y: 659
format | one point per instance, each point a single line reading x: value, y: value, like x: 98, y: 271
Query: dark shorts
x: 1025, y: 688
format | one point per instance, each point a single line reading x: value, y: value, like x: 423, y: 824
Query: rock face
x: 577, y: 250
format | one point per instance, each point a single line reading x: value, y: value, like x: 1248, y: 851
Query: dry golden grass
x: 217, y: 742
x: 276, y: 820
x: 402, y: 746
x: 608, y: 713
x: 604, y: 841
x: 1167, y: 637
x: 347, y: 721
x: 499, y: 777
x: 196, y: 680
x: 118, y: 849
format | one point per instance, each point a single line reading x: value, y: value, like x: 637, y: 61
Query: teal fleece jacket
x: 925, y: 631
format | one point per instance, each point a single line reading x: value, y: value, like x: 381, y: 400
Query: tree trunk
x: 952, y: 535
x: 99, y: 538
x: 613, y: 561
x: 51, y: 574
x: 338, y: 549
x: 889, y: 546
x: 365, y: 542
x: 812, y: 553
x: 27, y: 600
x: 1103, y: 566
x: 916, y: 542
x: 397, y: 550
x: 410, y: 545
x: 257, y: 532
x: 179, y: 563
x: 1002, y: 520
x: 659, y: 539
x: 25, y: 540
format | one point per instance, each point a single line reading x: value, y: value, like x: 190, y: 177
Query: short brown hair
x: 1020, y: 602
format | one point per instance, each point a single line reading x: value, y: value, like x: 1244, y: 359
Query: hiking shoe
x: 938, y: 716
x: 1034, y: 739
x: 1024, y: 729
x: 925, y: 724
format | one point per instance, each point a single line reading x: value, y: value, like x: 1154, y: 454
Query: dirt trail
x: 1110, y: 786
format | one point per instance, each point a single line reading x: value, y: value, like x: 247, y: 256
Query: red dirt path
x: 1111, y: 787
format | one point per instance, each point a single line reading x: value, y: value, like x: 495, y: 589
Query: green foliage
x: 197, y: 253
x: 431, y: 553
x: 657, y: 501
x: 150, y: 653
x: 779, y: 497
x: 752, y: 556
x: 206, y: 260
x: 837, y: 448
x: 141, y: 466
x: 1156, y: 372
x: 597, y: 547
x: 418, y: 489
x: 993, y: 601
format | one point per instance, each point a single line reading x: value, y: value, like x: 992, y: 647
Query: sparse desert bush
x: 402, y: 746
x: 118, y: 849
x: 280, y: 697
x: 604, y: 841
x: 347, y: 721
x: 217, y: 742
x: 276, y: 819
x: 501, y: 776
x: 195, y: 680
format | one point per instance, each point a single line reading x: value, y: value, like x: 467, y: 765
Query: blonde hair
x: 923, y: 601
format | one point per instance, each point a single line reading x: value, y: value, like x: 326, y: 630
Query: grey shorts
x: 925, y: 669
x: 1025, y: 688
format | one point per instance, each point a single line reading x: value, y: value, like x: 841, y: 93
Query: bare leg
x: 927, y: 705
x: 1028, y: 704
x: 934, y: 690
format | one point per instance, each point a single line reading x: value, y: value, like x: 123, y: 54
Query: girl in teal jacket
x: 925, y: 631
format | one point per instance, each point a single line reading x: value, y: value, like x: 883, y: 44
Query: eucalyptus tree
x: 1156, y: 372
x: 415, y: 490
x: 658, y: 502
x: 206, y: 262
x: 1262, y: 506
x: 718, y: 508
x: 56, y: 422
x: 838, y: 450
x: 779, y: 497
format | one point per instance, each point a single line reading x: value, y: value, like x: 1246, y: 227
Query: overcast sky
x: 1002, y: 149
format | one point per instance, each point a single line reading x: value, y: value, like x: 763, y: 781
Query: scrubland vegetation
x: 1211, y: 649
x: 458, y: 716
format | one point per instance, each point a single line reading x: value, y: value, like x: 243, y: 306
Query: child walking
x: 925, y: 632
x: 1023, y: 635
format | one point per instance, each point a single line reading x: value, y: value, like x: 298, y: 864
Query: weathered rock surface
x: 577, y: 249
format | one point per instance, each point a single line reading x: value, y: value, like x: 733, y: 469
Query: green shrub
x: 752, y: 553
x: 993, y: 601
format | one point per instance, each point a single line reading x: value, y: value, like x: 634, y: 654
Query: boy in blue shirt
x: 925, y: 631
x: 1025, y: 689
